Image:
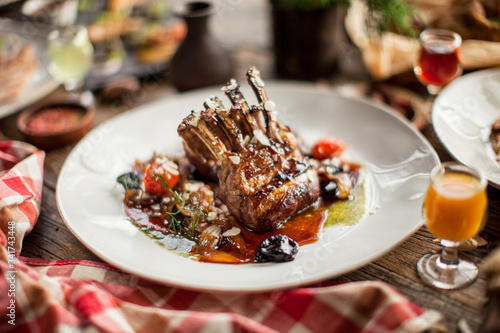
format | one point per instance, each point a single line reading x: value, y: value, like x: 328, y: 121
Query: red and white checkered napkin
x: 82, y: 296
x: 21, y: 178
x: 60, y: 296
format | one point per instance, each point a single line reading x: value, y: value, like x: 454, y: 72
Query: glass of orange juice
x: 455, y: 209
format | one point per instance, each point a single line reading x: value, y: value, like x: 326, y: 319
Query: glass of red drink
x: 439, y: 60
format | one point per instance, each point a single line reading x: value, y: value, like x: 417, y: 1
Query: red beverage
x: 438, y: 68
x: 439, y: 60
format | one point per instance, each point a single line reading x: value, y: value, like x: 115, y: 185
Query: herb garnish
x: 131, y: 180
x: 195, y: 212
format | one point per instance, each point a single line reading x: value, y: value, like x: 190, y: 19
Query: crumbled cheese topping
x: 161, y: 160
x: 235, y: 159
x: 215, y: 104
x: 232, y: 232
x: 259, y: 82
x: 262, y: 137
x: 166, y: 165
x: 231, y: 86
x: 193, y: 186
x: 194, y: 120
x: 254, y: 72
x: 213, y: 230
x: 255, y: 75
x: 310, y: 176
x: 334, y: 161
x: 273, y: 114
x: 216, y: 210
x: 210, y: 102
x: 269, y: 106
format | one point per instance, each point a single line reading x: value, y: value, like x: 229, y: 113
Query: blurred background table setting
x: 87, y: 83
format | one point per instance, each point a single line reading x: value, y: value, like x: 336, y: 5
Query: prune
x: 277, y: 248
x: 131, y: 180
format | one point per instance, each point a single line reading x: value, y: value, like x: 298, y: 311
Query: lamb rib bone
x: 263, y: 178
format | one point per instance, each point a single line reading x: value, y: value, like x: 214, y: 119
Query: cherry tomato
x: 327, y: 148
x: 160, y: 178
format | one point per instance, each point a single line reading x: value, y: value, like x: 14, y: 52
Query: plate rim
x: 276, y: 85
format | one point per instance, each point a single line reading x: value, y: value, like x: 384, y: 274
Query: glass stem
x: 449, y: 253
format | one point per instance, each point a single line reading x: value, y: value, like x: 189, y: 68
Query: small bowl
x: 56, y: 123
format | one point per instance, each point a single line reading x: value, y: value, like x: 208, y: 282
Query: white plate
x: 41, y: 83
x: 462, y: 116
x: 398, y: 159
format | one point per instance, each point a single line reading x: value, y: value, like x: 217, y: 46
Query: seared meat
x: 263, y: 178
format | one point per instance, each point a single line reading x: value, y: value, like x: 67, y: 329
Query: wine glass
x: 439, y: 60
x: 70, y: 55
x: 455, y: 209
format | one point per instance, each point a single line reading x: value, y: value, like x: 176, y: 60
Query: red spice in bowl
x: 54, y: 119
x: 53, y: 126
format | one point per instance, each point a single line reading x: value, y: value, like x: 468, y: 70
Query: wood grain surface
x: 51, y: 239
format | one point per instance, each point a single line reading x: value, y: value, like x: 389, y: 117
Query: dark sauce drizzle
x: 304, y: 227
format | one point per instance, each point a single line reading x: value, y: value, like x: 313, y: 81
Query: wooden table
x: 51, y: 239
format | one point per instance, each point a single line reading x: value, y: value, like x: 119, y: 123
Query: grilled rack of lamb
x: 263, y: 177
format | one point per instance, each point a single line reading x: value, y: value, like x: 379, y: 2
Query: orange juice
x: 454, y: 206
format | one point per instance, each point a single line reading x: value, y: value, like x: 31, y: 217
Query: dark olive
x: 131, y: 180
x: 277, y: 248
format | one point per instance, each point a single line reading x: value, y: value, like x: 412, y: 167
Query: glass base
x: 446, y: 276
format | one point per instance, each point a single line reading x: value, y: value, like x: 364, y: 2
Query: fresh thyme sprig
x: 175, y: 224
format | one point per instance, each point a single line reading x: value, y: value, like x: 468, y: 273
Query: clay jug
x: 200, y: 60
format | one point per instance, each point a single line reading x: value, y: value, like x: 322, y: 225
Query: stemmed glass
x: 70, y: 55
x: 439, y: 61
x: 455, y: 209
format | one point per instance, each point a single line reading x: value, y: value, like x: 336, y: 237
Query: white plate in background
x: 462, y: 115
x: 41, y: 83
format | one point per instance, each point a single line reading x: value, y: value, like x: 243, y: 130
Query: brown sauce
x: 304, y: 227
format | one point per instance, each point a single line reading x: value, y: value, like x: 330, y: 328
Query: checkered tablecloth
x: 82, y: 296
